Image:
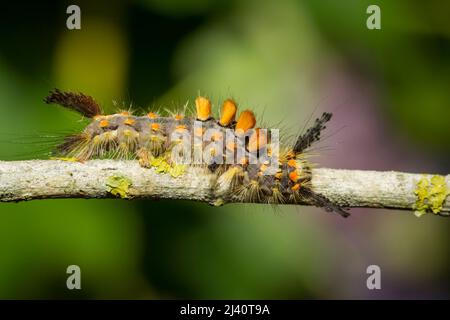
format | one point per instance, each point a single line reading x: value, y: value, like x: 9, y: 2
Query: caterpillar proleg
x: 245, y: 157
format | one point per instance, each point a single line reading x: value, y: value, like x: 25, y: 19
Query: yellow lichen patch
x: 118, y: 186
x: 177, y: 170
x: 218, y: 202
x: 68, y: 159
x: 431, y: 195
x: 438, y: 193
x: 162, y: 166
x: 421, y: 192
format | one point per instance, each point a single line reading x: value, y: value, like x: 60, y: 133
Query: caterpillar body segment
x: 243, y: 157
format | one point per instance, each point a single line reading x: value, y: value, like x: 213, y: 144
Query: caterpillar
x: 245, y: 157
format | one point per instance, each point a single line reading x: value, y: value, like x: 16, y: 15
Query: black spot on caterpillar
x: 243, y: 157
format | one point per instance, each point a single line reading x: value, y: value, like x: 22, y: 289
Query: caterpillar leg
x: 144, y: 156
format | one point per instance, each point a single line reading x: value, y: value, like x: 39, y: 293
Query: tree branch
x: 43, y: 179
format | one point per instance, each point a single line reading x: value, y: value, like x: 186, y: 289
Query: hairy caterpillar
x: 242, y: 156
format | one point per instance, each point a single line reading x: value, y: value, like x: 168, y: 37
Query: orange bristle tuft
x: 203, y: 108
x: 152, y: 115
x: 293, y: 176
x: 295, y: 187
x: 104, y: 123
x: 181, y: 128
x: 179, y: 117
x: 228, y: 113
x: 292, y: 163
x: 129, y: 121
x: 246, y: 121
x: 155, y: 126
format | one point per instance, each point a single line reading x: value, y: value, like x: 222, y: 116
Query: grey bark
x: 43, y: 179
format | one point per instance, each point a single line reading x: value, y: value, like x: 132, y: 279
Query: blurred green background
x: 388, y: 88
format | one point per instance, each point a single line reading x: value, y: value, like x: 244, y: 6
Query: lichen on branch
x: 46, y: 179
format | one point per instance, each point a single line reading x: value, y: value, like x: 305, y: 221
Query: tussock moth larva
x: 246, y: 158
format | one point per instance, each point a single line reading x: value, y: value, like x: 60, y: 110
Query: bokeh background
x: 287, y: 60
